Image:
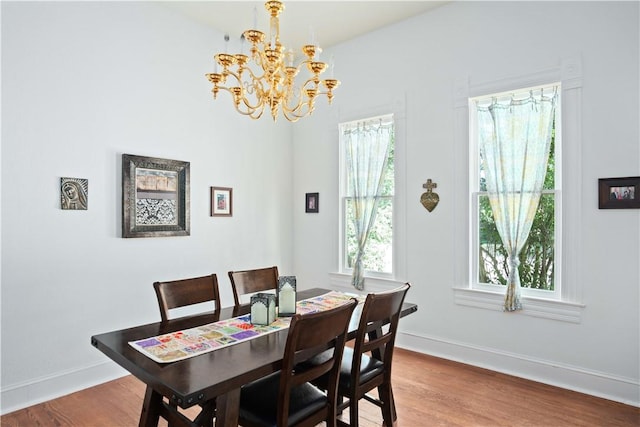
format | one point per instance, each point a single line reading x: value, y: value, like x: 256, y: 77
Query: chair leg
x: 353, y: 412
x: 386, y: 397
x: 339, y: 406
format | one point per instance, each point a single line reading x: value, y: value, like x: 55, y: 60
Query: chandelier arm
x: 252, y: 74
x: 236, y: 76
x: 291, y: 108
x: 292, y: 116
x: 251, y: 113
x: 255, y: 83
x: 250, y: 109
x: 303, y: 101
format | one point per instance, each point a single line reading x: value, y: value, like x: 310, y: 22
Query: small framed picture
x: 619, y: 193
x: 221, y: 201
x: 74, y: 193
x: 311, y: 203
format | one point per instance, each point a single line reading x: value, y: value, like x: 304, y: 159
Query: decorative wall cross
x: 430, y: 185
x: 429, y: 199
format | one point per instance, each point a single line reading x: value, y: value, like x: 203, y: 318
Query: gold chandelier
x: 267, y: 78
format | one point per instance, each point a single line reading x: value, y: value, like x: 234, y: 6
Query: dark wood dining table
x: 198, y: 380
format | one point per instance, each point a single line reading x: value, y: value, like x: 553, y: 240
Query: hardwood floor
x: 429, y: 392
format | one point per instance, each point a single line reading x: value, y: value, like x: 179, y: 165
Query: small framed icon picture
x: 311, y: 203
x: 74, y: 193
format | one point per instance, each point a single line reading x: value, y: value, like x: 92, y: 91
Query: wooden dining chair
x: 287, y: 398
x: 367, y: 365
x: 251, y: 281
x: 182, y: 293
x: 185, y: 292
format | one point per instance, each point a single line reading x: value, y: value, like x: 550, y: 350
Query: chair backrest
x: 310, y: 335
x: 377, y: 329
x: 251, y: 281
x: 184, y: 292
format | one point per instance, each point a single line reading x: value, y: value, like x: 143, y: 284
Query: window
x: 538, y: 263
x: 367, y: 182
x: 566, y: 304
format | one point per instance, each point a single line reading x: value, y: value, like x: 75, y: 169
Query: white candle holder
x: 263, y: 309
x: 286, y: 296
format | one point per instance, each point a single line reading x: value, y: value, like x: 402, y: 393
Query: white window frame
x: 474, y: 156
x: 378, y: 282
x: 568, y: 307
x: 343, y: 205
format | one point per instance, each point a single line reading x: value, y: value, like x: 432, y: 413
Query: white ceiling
x: 332, y: 22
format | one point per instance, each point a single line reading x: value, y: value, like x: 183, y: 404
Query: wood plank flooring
x: 429, y: 392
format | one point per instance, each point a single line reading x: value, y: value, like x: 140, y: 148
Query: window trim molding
x: 569, y: 73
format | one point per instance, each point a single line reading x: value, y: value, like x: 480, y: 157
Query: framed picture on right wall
x: 311, y: 202
x: 619, y: 193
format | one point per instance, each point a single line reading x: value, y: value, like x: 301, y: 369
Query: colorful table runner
x: 184, y: 344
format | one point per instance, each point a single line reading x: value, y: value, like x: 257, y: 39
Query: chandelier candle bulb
x: 331, y: 66
x: 290, y: 55
x: 255, y: 18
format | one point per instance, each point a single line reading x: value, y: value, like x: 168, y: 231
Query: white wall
x: 83, y: 83
x: 418, y: 63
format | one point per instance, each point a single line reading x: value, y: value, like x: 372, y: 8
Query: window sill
x: 342, y: 281
x: 536, y: 307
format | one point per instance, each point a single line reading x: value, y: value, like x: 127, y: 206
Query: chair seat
x: 369, y: 368
x: 261, y: 397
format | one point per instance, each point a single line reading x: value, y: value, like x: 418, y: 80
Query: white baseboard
x: 611, y: 387
x: 42, y: 389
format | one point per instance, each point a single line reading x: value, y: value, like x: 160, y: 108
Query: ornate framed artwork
x: 155, y: 197
x: 221, y: 201
x: 619, y: 193
x: 312, y: 202
x: 74, y: 194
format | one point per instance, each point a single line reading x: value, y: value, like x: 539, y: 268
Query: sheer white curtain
x: 366, y: 155
x: 514, y: 140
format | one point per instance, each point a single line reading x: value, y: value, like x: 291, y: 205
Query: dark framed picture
x: 312, y: 202
x: 221, y: 201
x: 155, y: 197
x: 619, y: 193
